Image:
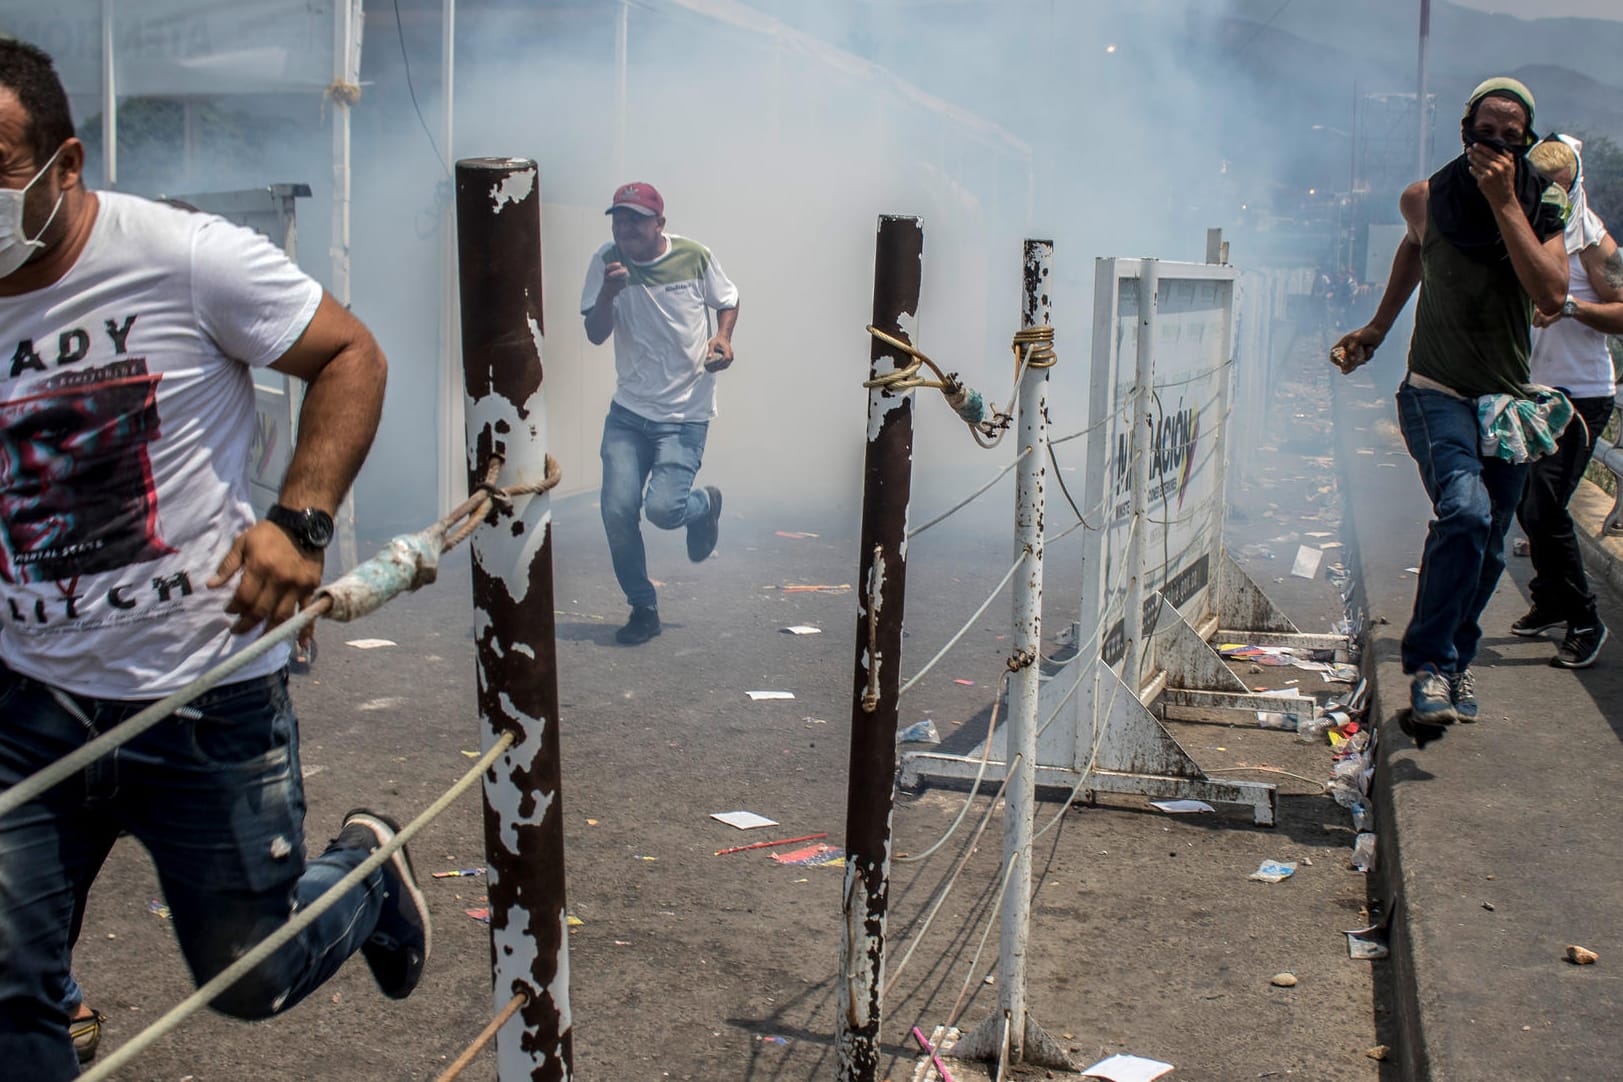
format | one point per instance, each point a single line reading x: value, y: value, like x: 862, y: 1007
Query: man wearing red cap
x: 1485, y: 239
x: 653, y: 292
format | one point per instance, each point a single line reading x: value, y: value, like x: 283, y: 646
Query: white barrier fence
x: 1158, y: 582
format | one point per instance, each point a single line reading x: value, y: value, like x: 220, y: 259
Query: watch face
x: 317, y: 528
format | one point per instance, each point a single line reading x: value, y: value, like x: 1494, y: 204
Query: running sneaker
x: 1430, y: 700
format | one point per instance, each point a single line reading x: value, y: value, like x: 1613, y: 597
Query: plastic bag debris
x: 1363, y: 858
x: 1273, y: 871
x: 923, y: 732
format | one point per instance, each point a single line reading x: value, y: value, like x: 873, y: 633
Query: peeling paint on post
x: 887, y: 483
x: 1029, y: 502
x: 498, y: 207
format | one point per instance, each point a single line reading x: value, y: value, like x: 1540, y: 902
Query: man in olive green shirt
x: 1484, y: 238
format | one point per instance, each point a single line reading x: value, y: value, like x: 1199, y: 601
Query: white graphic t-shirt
x: 661, y: 325
x: 126, y: 422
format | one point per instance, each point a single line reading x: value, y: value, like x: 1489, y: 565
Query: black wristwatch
x: 310, y: 529
x: 1569, y: 307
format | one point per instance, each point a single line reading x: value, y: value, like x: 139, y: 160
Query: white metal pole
x: 109, y: 99
x: 1420, y: 94
x: 453, y: 470
x: 346, y: 83
x: 1139, y: 447
x: 1032, y: 418
x: 622, y: 48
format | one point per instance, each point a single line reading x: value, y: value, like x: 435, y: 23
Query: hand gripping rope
x: 408, y: 562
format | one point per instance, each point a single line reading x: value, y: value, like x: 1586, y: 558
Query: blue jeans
x: 217, y: 800
x: 662, y: 457
x: 1473, y: 500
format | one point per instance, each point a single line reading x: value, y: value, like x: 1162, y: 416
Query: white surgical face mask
x: 15, y: 245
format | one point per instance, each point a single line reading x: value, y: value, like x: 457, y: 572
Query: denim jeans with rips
x: 662, y: 457
x: 1473, y: 500
x: 214, y: 793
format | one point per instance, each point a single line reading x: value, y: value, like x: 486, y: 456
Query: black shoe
x: 1580, y: 648
x: 702, y: 533
x: 643, y: 625
x: 398, y: 947
x: 1536, y: 622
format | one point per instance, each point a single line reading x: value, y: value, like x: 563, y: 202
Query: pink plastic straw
x: 935, y: 1059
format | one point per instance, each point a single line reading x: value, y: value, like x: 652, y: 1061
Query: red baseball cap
x: 640, y: 197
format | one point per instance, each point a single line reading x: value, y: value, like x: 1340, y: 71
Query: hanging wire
x: 974, y: 963
x: 400, y: 30
x: 462, y: 1062
x: 952, y: 880
x: 971, y: 498
x: 970, y: 623
x: 975, y: 786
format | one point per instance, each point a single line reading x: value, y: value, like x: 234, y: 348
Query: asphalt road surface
x: 1147, y: 935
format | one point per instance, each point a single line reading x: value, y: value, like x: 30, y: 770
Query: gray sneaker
x: 1462, y: 691
x: 1431, y: 701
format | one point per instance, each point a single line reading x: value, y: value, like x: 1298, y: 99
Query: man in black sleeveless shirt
x: 1484, y: 237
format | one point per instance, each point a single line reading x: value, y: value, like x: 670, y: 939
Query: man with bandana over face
x: 1484, y: 239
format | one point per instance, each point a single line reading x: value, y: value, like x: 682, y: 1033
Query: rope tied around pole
x: 968, y: 403
x: 486, y: 499
x: 1021, y: 659
x: 1038, y: 342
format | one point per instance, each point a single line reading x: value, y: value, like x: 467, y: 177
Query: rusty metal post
x: 498, y: 215
x: 887, y: 484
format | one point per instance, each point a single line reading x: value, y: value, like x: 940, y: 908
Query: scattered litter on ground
x: 1378, y: 1052
x: 769, y: 845
x: 965, y: 683
x: 480, y: 914
x: 929, y: 1050
x: 1581, y: 956
x: 1269, y: 719
x: 370, y: 644
x: 591, y: 822
x: 1273, y: 871
x: 388, y: 702
x: 639, y: 856
x: 1363, y: 858
x: 802, y: 629
x: 795, y: 535
x: 1182, y: 807
x: 1283, y: 980
x: 158, y: 909
x: 743, y: 820
x: 1412, y: 570
x: 810, y: 588
x: 923, y: 732
x: 459, y: 873
x: 758, y: 696
x: 814, y: 721
x: 773, y: 1039
x: 1306, y: 565
x: 1367, y: 943
x: 574, y: 921
x: 1124, y: 1068
x: 812, y: 856
x: 470, y: 754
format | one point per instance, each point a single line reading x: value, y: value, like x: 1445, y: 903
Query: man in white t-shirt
x: 653, y: 292
x: 130, y: 562
x: 1569, y: 352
